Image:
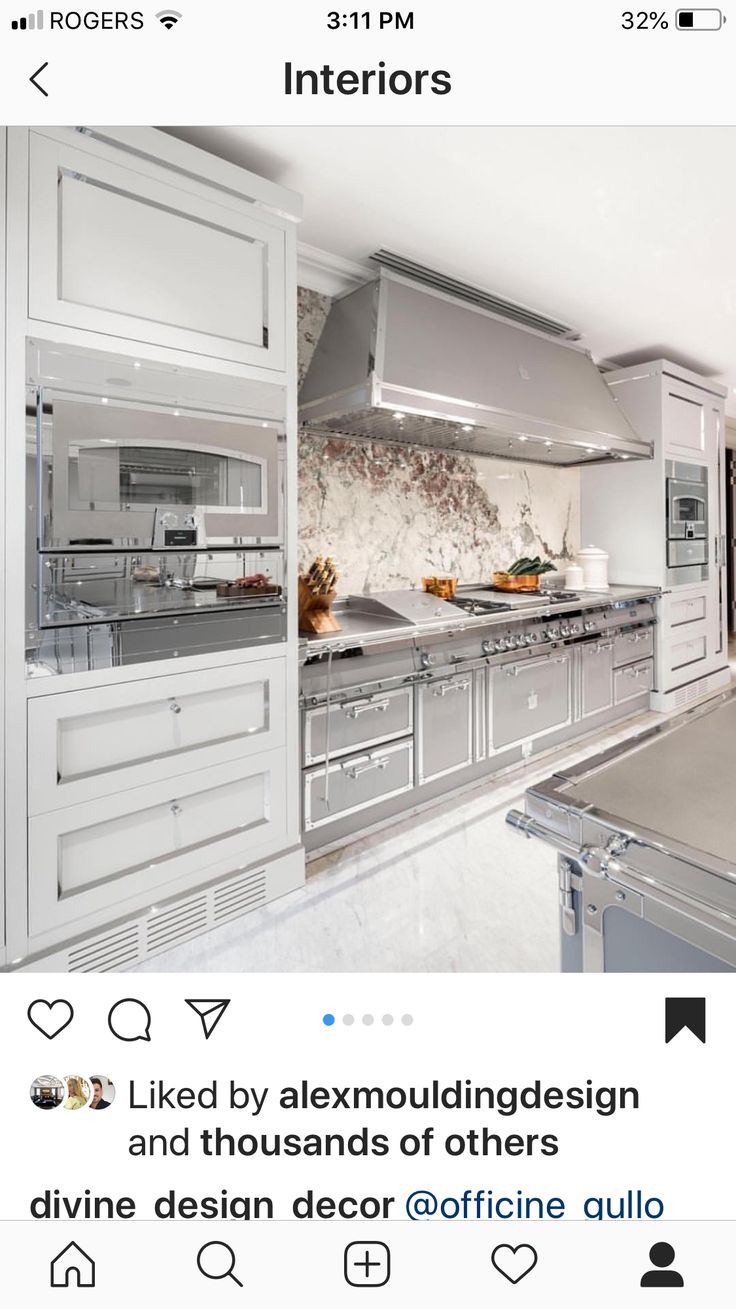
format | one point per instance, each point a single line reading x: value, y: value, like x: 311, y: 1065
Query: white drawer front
x: 99, y: 854
x: 687, y: 652
x: 114, y: 250
x: 687, y: 611
x: 88, y: 744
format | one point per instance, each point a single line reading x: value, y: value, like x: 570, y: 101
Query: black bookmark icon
x: 682, y: 1012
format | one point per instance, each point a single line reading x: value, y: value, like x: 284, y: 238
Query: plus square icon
x: 367, y: 1263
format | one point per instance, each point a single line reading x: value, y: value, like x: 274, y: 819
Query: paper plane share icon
x: 210, y: 1013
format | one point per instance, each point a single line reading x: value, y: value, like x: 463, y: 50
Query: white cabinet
x: 121, y: 250
x: 624, y: 510
x: 87, y: 744
x: 133, y: 845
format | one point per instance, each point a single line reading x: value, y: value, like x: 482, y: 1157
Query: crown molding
x: 318, y: 270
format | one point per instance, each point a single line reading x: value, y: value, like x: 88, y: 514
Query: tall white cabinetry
x: 625, y: 509
x: 152, y: 799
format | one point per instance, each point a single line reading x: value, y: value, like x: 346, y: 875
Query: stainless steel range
x: 418, y: 696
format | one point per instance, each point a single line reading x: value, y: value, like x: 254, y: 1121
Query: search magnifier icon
x: 216, y: 1260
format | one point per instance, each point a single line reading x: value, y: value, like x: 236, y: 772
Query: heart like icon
x: 514, y: 1261
x: 50, y: 1016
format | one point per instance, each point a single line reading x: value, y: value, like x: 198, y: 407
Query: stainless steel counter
x: 371, y: 620
x: 647, y: 849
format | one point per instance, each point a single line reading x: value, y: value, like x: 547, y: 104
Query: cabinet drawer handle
x: 356, y: 770
x: 175, y: 707
x: 176, y: 808
x: 374, y: 707
x: 445, y: 688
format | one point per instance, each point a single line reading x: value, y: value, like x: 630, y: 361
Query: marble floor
x: 453, y: 889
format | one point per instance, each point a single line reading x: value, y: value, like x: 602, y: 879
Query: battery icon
x: 699, y: 20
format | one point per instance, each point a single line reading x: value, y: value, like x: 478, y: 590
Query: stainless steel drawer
x: 357, y: 724
x: 358, y: 782
x: 444, y: 727
x: 529, y: 699
x: 633, y: 680
x: 631, y: 646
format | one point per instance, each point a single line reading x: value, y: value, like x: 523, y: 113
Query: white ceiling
x: 628, y: 234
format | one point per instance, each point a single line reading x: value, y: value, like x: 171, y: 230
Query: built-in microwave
x: 128, y: 475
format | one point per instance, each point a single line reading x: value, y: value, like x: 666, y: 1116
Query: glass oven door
x: 114, y: 475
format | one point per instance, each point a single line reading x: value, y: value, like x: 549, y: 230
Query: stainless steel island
x: 646, y: 841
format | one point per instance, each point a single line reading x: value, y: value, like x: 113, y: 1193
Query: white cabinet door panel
x: 98, y: 855
x: 684, y: 421
x: 114, y: 251
x: 87, y: 744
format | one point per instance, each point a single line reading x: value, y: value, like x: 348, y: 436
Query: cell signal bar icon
x: 33, y: 23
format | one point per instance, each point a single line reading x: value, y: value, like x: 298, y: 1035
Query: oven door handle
x: 354, y: 771
x: 372, y: 706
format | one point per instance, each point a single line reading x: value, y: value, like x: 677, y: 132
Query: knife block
x: 315, y: 611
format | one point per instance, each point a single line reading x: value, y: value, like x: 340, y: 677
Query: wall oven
x: 122, y: 475
x: 687, y: 523
x: 156, y: 497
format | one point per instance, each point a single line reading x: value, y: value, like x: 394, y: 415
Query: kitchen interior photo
x: 369, y: 572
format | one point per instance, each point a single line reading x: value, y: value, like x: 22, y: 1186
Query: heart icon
x: 514, y: 1261
x: 50, y: 1016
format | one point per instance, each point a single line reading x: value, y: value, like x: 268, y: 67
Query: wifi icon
x: 168, y: 17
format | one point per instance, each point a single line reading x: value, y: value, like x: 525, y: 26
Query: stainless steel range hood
x: 400, y: 363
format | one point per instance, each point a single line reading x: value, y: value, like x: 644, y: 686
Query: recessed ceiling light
x: 523, y: 438
x: 104, y: 400
x: 136, y: 363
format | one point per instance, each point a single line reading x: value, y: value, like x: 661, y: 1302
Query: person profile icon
x: 662, y: 1255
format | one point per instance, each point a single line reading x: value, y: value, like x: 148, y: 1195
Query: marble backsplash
x: 392, y: 514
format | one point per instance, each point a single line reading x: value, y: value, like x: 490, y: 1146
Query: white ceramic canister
x: 594, y: 563
x: 574, y: 578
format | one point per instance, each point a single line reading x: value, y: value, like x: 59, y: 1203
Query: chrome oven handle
x: 445, y: 687
x: 374, y: 706
x: 356, y: 770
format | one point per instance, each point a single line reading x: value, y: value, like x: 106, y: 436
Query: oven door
x: 130, y: 476
x: 687, y: 510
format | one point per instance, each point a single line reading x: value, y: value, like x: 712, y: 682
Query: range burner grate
x: 476, y: 607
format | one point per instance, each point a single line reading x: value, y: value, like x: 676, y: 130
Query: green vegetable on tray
x: 530, y: 567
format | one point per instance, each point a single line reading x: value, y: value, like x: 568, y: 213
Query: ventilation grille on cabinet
x: 239, y: 896
x: 169, y: 925
x: 474, y: 295
x: 105, y: 954
x: 694, y: 690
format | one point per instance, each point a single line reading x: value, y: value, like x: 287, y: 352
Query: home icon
x: 72, y: 1267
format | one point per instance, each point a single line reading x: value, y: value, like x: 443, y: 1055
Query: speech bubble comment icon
x: 130, y: 1020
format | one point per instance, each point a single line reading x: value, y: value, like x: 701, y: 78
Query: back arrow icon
x: 32, y: 78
